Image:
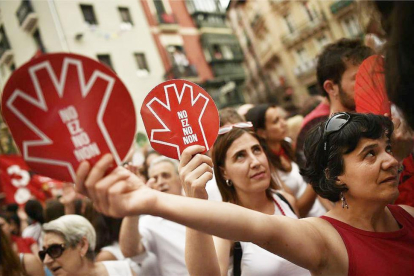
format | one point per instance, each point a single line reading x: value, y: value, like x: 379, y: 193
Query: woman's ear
x: 223, y: 172
x: 84, y: 246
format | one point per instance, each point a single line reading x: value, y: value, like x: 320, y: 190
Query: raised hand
x: 118, y: 194
x: 195, y: 171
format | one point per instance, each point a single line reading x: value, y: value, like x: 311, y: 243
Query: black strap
x: 237, y: 256
x: 286, y: 201
x: 238, y: 251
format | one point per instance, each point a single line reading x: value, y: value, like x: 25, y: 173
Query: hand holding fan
x: 370, y: 92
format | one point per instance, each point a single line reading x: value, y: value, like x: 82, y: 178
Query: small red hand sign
x: 64, y: 108
x: 178, y: 114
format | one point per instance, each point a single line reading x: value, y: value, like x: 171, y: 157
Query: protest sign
x: 178, y: 114
x: 65, y: 108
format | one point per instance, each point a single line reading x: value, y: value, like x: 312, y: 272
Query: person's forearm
x: 200, y: 254
x: 224, y: 220
x: 129, y: 237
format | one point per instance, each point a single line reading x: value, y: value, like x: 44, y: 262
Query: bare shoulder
x: 335, y: 257
x: 409, y: 209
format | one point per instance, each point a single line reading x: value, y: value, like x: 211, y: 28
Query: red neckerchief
x: 281, y: 152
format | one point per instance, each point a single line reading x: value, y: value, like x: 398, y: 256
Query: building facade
x: 195, y: 43
x: 281, y: 40
x: 113, y: 32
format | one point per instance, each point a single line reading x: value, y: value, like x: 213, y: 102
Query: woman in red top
x: 19, y: 244
x: 349, y: 161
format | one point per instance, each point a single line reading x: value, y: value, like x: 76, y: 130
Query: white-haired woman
x: 68, y: 249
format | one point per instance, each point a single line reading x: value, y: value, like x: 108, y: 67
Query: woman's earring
x: 229, y: 183
x: 344, y: 203
x: 400, y: 168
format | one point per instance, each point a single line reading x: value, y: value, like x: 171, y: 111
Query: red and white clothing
x: 379, y: 253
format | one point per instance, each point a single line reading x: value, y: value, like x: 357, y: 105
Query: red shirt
x: 322, y: 110
x: 23, y: 244
x: 406, y: 186
x: 379, y: 253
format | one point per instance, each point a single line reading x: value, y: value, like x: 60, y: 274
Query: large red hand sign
x: 178, y: 114
x: 65, y: 108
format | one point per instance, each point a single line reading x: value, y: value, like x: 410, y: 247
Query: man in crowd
x: 336, y: 70
x: 163, y: 238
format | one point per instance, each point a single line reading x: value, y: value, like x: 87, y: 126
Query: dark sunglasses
x: 54, y: 251
x: 334, y: 124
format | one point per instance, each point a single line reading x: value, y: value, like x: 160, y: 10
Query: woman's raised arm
x: 123, y: 194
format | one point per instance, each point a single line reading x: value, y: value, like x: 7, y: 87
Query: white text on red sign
x: 80, y: 139
x: 189, y: 137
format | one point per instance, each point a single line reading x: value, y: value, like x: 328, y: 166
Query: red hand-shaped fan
x: 370, y: 93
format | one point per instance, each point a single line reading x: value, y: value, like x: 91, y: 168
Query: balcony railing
x: 166, y: 18
x: 229, y: 68
x: 26, y: 16
x: 304, y: 30
x: 179, y: 72
x: 209, y: 19
x: 339, y: 5
x: 305, y: 68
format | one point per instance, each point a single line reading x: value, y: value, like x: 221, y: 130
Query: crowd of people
x: 269, y: 198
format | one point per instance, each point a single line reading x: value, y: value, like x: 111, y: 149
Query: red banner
x: 19, y: 185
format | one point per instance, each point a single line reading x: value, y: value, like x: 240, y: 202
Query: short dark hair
x: 322, y: 169
x: 332, y: 61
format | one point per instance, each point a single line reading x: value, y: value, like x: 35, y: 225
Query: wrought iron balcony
x: 179, y: 72
x: 26, y: 16
x: 304, y: 30
x: 305, y: 68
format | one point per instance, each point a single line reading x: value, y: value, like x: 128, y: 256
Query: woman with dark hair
x: 269, y: 123
x: 19, y: 244
x: 13, y: 264
x: 243, y: 176
x: 349, y: 160
x: 34, y: 211
x: 397, y: 20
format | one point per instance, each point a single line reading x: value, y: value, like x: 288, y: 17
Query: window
x: 89, y: 14
x: 302, y: 56
x: 289, y: 23
x: 106, y: 59
x: 351, y: 26
x: 321, y: 41
x: 38, y: 41
x: 125, y: 15
x: 308, y: 11
x: 143, y: 69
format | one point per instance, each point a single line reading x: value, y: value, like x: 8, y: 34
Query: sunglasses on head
x: 334, y: 124
x: 227, y: 128
x: 54, y: 251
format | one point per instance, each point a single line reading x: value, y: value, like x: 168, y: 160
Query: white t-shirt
x: 297, y: 185
x: 117, y: 268
x: 143, y: 265
x: 34, y: 231
x: 166, y: 240
x: 258, y: 261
